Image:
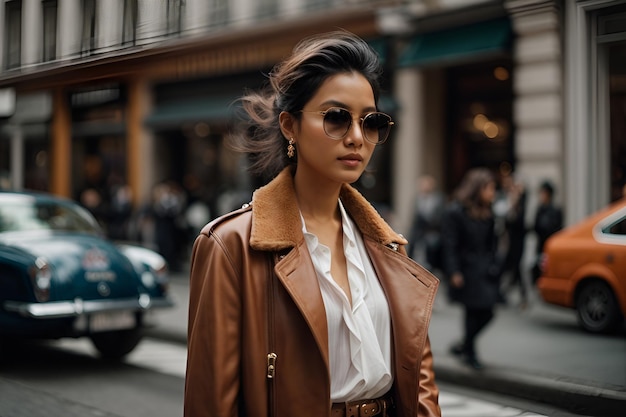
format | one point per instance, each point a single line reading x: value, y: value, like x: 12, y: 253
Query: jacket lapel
x: 295, y: 273
x: 410, y: 290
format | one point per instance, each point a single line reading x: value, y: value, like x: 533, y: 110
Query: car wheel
x: 597, y: 308
x: 117, y: 344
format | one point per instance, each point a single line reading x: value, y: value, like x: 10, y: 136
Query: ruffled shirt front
x: 359, y: 335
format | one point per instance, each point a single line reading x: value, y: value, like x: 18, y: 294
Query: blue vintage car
x: 59, y: 276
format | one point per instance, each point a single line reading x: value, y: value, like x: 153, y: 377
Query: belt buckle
x: 367, y: 409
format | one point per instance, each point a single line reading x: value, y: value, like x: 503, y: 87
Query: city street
x: 539, y: 354
x: 67, y: 377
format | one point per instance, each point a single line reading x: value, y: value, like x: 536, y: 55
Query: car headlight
x: 41, y: 277
x: 162, y: 277
x: 156, y: 278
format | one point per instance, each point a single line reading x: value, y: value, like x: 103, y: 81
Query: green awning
x: 387, y: 103
x: 380, y: 46
x: 458, y: 44
x: 206, y: 109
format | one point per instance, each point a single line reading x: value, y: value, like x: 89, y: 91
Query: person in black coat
x: 548, y: 220
x: 470, y: 258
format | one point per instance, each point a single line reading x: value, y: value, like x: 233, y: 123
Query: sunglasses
x: 337, y: 122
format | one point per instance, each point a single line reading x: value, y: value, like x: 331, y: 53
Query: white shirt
x: 359, y: 335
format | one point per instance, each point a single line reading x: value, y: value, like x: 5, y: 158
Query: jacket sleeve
x: 428, y: 391
x: 213, y: 362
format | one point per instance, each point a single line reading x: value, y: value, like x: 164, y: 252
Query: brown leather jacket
x: 254, y: 292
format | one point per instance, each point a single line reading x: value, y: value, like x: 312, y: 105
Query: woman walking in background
x: 470, y: 260
x: 293, y: 298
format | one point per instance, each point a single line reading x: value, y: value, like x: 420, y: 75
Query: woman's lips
x: 351, y: 159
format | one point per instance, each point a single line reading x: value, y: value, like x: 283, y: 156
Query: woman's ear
x: 287, y: 124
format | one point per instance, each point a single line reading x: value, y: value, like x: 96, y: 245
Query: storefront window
x: 617, y: 92
x: 5, y: 168
x: 612, y: 38
x: 480, y: 109
x: 37, y: 163
x: 99, y: 148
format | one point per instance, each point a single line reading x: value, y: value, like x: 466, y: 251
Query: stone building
x: 142, y: 91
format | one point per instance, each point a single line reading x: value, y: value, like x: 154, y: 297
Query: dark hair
x: 292, y: 83
x: 547, y: 187
x: 468, y: 192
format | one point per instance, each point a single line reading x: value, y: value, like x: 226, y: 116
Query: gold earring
x: 290, y: 148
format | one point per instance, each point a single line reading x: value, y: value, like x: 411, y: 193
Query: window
x: 49, y: 30
x: 218, y: 12
x: 479, y: 118
x: 318, y: 4
x: 611, y: 38
x: 88, y: 40
x: 617, y: 228
x: 174, y: 16
x: 617, y: 116
x: 13, y: 34
x: 267, y: 8
x: 129, y: 25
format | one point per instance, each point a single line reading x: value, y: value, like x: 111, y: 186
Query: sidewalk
x: 19, y: 400
x: 516, y: 365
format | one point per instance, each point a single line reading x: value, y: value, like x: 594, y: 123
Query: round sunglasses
x: 337, y: 122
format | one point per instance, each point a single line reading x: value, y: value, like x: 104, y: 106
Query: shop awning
x: 215, y: 109
x: 381, y: 48
x: 208, y: 109
x: 458, y: 44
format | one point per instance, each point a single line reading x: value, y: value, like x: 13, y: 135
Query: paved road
x: 29, y: 393
x: 539, y: 354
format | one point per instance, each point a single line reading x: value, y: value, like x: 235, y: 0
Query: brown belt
x: 382, y: 406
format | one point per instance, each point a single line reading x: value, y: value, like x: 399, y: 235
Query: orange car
x: 584, y: 267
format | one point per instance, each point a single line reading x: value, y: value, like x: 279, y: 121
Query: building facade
x: 102, y: 92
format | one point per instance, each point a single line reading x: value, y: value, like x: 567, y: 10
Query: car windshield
x: 27, y: 214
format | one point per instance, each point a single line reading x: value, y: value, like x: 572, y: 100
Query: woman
x: 470, y: 259
x: 304, y: 302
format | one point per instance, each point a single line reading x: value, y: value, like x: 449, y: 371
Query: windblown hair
x: 468, y: 193
x: 291, y: 85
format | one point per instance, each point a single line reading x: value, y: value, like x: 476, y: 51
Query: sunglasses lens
x: 337, y: 122
x: 376, y: 127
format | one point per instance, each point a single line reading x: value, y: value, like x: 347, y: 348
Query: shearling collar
x: 276, y: 223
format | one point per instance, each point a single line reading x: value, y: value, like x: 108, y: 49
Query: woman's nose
x: 355, y: 133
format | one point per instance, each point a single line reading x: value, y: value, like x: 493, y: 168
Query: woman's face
x: 322, y: 158
x: 488, y: 192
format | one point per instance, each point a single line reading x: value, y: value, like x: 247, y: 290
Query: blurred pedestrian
x: 168, y: 207
x: 470, y: 257
x: 120, y: 210
x: 93, y: 200
x: 425, y: 236
x: 293, y: 298
x: 548, y: 220
x: 510, y: 208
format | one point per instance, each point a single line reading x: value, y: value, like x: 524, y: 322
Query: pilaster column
x: 407, y: 146
x: 17, y: 158
x: 140, y: 159
x: 61, y: 145
x: 31, y: 32
x: 110, y: 17
x: 538, y: 87
x: 418, y: 141
x: 69, y: 31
